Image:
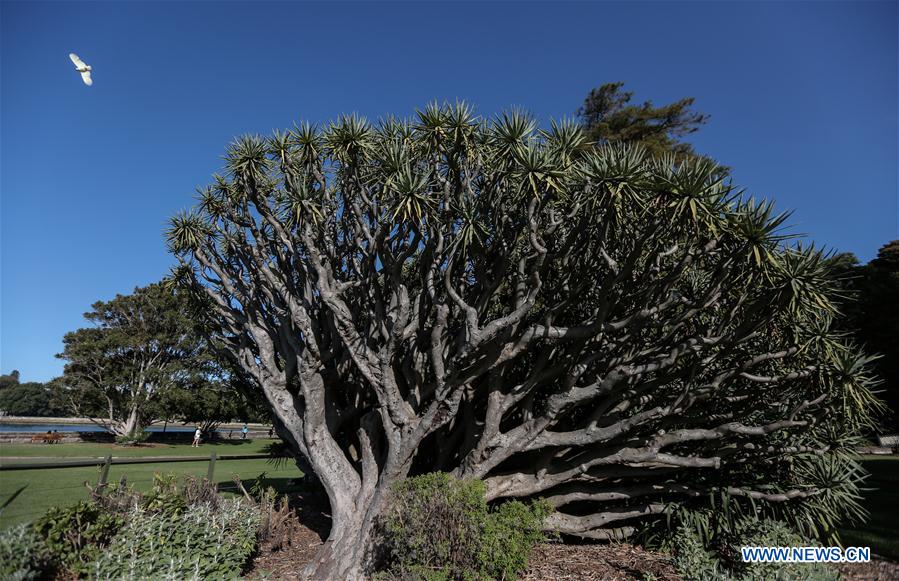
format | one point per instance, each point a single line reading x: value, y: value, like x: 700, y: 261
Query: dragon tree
x: 620, y: 334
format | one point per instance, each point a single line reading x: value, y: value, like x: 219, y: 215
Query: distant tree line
x: 146, y: 358
x: 31, y: 398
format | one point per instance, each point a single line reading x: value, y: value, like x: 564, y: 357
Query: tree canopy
x: 625, y: 335
x: 208, y: 397
x: 609, y: 116
x: 138, y: 347
x: 872, y: 316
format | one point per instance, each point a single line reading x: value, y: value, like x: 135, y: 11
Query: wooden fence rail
x: 117, y: 461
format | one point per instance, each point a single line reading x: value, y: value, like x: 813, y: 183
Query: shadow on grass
x: 227, y: 442
x: 280, y: 455
x: 881, y: 498
x: 12, y: 497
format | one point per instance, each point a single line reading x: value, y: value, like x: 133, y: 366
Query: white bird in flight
x: 82, y: 68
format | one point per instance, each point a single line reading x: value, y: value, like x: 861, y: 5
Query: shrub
x: 278, y: 521
x: 692, y: 559
x: 439, y: 527
x: 512, y: 531
x: 21, y: 554
x: 74, y: 535
x: 164, y: 497
x: 200, y: 543
x: 134, y: 439
x: 723, y: 560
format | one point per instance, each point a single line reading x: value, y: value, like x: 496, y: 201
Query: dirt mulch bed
x: 615, y: 562
x: 287, y: 560
x: 878, y: 569
x: 549, y: 561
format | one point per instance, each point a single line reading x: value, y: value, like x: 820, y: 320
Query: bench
x: 47, y: 438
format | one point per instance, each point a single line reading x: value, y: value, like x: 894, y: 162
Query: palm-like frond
x: 187, y: 231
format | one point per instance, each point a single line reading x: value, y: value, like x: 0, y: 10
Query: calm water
x: 81, y: 428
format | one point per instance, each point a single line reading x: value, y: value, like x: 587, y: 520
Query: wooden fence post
x: 104, y: 472
x: 211, y: 472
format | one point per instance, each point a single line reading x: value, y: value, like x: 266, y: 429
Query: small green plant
x: 440, y: 528
x: 258, y: 488
x: 692, y: 559
x: 200, y: 543
x: 164, y: 497
x: 512, y: 531
x: 21, y: 554
x: 695, y: 561
x: 73, y: 536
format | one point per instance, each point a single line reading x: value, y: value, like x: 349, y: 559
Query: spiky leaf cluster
x: 613, y: 331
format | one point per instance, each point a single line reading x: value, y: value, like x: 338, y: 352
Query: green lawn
x: 91, y: 450
x: 881, y: 532
x: 38, y: 490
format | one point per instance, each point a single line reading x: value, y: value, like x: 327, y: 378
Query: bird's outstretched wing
x: 86, y: 77
x: 78, y: 62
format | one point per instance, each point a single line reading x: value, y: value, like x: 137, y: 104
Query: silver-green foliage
x: 695, y: 562
x: 20, y: 553
x: 200, y: 543
x: 440, y: 528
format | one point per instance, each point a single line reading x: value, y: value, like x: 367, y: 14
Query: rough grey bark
x: 611, y: 332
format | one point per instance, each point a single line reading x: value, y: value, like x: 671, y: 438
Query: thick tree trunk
x: 132, y: 424
x: 127, y: 427
x: 343, y: 554
x: 356, y: 498
x: 347, y: 553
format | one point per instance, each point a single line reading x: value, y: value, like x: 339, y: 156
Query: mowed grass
x: 881, y: 532
x: 37, y: 490
x: 93, y: 450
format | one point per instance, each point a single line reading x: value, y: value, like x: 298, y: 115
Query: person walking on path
x: 243, y: 432
x: 197, y: 435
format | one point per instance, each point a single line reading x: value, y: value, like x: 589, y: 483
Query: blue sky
x: 802, y: 96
